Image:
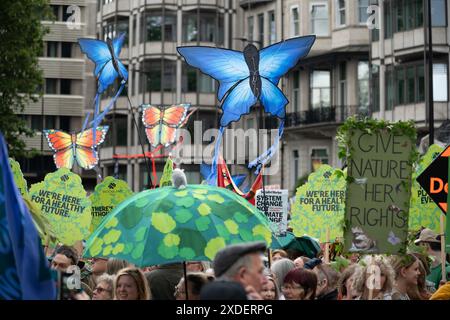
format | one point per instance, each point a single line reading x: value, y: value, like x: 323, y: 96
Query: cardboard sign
x: 20, y: 181
x: 320, y: 204
x: 62, y: 199
x: 276, y: 204
x: 107, y: 195
x: 378, y: 192
x: 423, y: 211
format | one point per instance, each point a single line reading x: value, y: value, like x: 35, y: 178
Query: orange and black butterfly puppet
x: 79, y: 147
x: 162, y: 123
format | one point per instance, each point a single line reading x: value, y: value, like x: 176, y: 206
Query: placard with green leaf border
x: 424, y: 212
x: 320, y: 205
x: 62, y: 199
x: 106, y: 197
x: 379, y: 156
x: 19, y: 179
x: 166, y: 178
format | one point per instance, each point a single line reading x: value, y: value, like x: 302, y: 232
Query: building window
x: 250, y: 27
x: 410, y: 84
x: 440, y: 82
x: 170, y: 76
x: 343, y: 83
x: 66, y: 49
x: 363, y: 84
x: 52, y: 49
x: 211, y: 27
x: 51, y: 86
x: 318, y: 157
x: 123, y: 27
x: 319, y: 19
x: 320, y: 89
x: 340, y: 13
x: 64, y: 123
x: 37, y: 123
x: 134, y: 29
x: 261, y: 30
x: 272, y: 28
x: 400, y: 86
x: 295, y: 18
x: 153, y: 26
x: 390, y: 96
x: 296, y: 92
x: 409, y: 15
x: 189, y: 79
x: 65, y: 85
x: 50, y: 122
x: 363, y: 16
x: 296, y: 164
x: 375, y: 88
x: 206, y: 84
x: 420, y: 83
x: 438, y: 13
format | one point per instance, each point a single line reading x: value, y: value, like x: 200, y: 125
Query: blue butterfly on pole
x: 108, y: 67
x: 248, y: 77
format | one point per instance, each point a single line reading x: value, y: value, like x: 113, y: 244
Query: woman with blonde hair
x: 113, y: 266
x: 375, y: 280
x: 346, y: 288
x: 131, y: 284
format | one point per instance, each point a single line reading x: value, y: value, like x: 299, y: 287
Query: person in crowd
x: 223, y: 290
x: 130, y: 284
x: 280, y: 269
x: 242, y: 263
x: 195, y: 282
x: 162, y: 280
x: 432, y: 242
x: 197, y: 266
x: 375, y: 280
x: 65, y: 256
x: 300, y: 262
x: 406, y: 268
x: 270, y: 289
x: 443, y: 293
x: 104, y: 288
x: 278, y: 255
x: 425, y: 288
x: 113, y: 266
x: 327, y: 279
x: 346, y: 290
x: 300, y: 284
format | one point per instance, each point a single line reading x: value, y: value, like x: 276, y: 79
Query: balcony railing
x: 324, y: 115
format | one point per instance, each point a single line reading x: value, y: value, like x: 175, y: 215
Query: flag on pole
x: 24, y: 271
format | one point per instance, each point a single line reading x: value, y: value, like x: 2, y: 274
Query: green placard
x: 106, y: 197
x: 166, y: 178
x: 20, y: 181
x: 379, y: 156
x: 424, y: 212
x: 62, y: 199
x: 320, y: 205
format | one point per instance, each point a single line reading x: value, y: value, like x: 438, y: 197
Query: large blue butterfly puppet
x: 248, y: 77
x: 108, y: 67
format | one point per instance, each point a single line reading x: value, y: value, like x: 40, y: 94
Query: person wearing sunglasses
x: 104, y: 288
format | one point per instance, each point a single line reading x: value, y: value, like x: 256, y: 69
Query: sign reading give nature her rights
x: 379, y: 158
x: 62, y: 199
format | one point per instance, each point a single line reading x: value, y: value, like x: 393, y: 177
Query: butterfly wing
x: 276, y: 60
x: 87, y: 158
x: 226, y: 66
x: 97, y: 51
x: 118, y: 43
x: 86, y: 138
x: 237, y: 103
x: 61, y: 143
x: 151, y: 115
x: 154, y: 135
x: 168, y: 135
x: 273, y: 99
x: 174, y: 116
x: 107, y: 76
x: 64, y: 158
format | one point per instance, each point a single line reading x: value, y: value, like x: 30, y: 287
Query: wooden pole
x: 185, y: 280
x: 327, y: 246
x: 443, y: 252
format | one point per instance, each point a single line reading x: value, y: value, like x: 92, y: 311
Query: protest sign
x: 274, y: 203
x: 62, y: 200
x: 424, y: 212
x: 379, y: 157
x: 19, y: 180
x: 106, y: 197
x: 319, y: 205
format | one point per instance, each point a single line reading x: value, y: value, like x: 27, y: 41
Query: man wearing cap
x: 432, y: 242
x: 243, y: 264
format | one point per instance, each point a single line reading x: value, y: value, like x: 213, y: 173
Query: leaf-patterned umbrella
x: 168, y: 225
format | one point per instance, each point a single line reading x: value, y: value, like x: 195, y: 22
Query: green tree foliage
x: 21, y: 42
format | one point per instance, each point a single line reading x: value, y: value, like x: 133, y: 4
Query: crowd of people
x: 240, y: 272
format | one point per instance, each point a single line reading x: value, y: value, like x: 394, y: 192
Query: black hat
x: 223, y: 290
x: 311, y: 264
x: 226, y: 257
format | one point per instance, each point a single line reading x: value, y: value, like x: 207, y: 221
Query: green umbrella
x: 168, y: 225
x: 306, y: 245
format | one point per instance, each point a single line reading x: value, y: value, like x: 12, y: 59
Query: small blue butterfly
x: 249, y: 76
x: 105, y: 55
x: 393, y: 239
